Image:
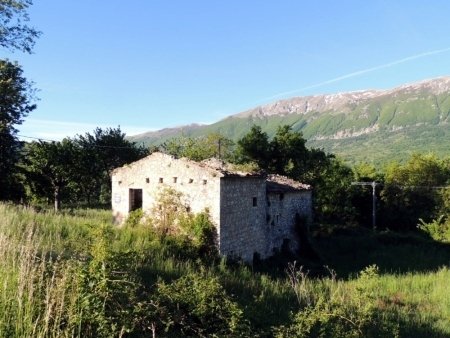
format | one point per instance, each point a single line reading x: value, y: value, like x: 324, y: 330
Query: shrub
x: 438, y: 229
x: 134, y: 218
x: 196, y: 305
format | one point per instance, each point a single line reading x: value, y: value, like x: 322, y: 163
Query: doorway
x: 135, y: 199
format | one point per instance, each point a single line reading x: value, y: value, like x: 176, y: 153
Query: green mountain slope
x: 373, y: 125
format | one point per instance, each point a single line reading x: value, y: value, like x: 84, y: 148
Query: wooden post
x: 374, y: 200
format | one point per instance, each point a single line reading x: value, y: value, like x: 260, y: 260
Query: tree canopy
x: 14, y: 32
x: 16, y: 102
x: 200, y: 148
x: 77, y: 170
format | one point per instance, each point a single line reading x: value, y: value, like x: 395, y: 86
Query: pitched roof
x: 275, y: 183
x: 282, y: 184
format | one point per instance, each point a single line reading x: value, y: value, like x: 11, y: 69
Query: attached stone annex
x: 254, y: 213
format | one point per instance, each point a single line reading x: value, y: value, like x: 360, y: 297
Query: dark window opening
x: 188, y: 209
x: 175, y: 180
x: 147, y: 180
x: 120, y: 182
x: 191, y: 180
x: 161, y: 180
x: 204, y: 182
x: 135, y: 199
x: 255, y: 202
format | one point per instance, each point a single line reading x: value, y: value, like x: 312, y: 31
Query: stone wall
x: 243, y: 217
x: 200, y: 187
x: 281, y: 212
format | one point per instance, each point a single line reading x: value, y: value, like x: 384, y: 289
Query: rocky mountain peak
x: 344, y: 102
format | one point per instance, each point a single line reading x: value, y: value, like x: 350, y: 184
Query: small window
x: 255, y: 202
x: 147, y: 180
x: 204, y: 182
x: 175, y: 180
x: 191, y: 180
x: 161, y: 180
x: 188, y: 209
x: 120, y: 182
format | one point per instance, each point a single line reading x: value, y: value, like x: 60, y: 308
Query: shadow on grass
x: 351, y: 249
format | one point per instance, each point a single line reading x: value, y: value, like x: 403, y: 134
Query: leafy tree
x: 14, y: 34
x: 333, y: 194
x: 16, y: 96
x: 97, y: 155
x: 254, y: 147
x: 410, y: 191
x: 288, y: 153
x: 200, y: 148
x: 49, y: 168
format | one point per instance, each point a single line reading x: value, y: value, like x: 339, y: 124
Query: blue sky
x: 150, y: 64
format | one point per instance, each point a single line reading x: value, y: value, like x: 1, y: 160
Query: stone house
x: 253, y: 213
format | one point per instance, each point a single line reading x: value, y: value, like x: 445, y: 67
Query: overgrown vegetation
x: 73, y: 274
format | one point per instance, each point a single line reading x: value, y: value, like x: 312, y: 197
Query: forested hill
x: 369, y: 125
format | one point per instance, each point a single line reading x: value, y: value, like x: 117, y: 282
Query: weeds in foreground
x: 76, y: 276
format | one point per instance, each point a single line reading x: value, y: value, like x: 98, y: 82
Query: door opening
x: 135, y: 199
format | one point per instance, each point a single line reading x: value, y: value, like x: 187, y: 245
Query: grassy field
x: 75, y: 275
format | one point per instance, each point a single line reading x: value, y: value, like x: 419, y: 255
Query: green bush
x: 438, y: 229
x: 196, y: 305
x: 134, y: 218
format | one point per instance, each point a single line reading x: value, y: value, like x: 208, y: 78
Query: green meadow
x: 73, y: 274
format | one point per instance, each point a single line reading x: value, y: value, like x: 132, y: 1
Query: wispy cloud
x: 57, y: 130
x: 359, y: 72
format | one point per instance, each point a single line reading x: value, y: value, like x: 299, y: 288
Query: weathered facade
x: 253, y: 213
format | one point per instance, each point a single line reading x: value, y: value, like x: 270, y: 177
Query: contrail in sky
x: 360, y: 72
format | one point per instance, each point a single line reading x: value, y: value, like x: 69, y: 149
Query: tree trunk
x: 57, y: 199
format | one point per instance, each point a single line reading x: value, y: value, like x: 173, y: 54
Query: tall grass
x: 74, y: 275
x: 38, y: 287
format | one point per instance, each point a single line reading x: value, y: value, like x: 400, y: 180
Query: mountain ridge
x: 421, y: 109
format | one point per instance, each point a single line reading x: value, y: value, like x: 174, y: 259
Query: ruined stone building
x: 253, y: 213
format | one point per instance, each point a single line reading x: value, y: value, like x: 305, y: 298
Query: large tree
x: 97, y: 155
x: 50, y: 168
x: 14, y: 32
x: 254, y: 147
x: 16, y: 96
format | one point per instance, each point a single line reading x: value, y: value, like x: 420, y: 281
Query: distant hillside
x: 369, y: 125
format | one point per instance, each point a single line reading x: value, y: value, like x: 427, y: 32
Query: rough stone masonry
x: 254, y: 213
